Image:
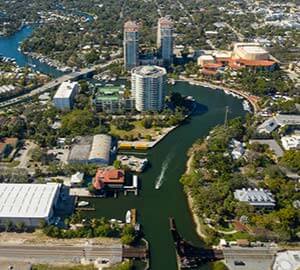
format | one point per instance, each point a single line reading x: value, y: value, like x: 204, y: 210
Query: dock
x: 190, y: 256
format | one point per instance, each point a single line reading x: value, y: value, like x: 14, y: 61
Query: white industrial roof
x: 65, y: 89
x: 27, y: 200
x: 101, y: 147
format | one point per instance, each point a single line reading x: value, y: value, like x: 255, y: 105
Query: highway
x: 62, y: 253
x: 55, y: 82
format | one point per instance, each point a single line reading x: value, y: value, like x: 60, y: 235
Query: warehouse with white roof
x: 28, y: 203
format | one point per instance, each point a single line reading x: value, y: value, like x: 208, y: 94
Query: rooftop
x: 27, y: 200
x: 149, y: 71
x: 255, y: 197
x: 65, y: 89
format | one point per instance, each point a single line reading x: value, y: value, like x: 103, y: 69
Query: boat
x: 246, y: 106
x: 128, y: 217
x: 83, y: 203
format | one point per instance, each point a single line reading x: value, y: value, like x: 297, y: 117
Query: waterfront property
x: 112, y: 99
x: 96, y: 149
x: 148, y: 88
x: 258, y: 198
x: 64, y: 96
x: 28, y: 203
x: 110, y: 178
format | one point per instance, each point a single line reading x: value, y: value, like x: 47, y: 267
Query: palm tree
x: 20, y: 226
x: 8, y: 225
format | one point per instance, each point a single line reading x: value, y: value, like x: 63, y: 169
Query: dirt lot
x: 38, y: 238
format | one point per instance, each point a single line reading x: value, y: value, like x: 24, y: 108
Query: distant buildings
x: 28, y: 203
x: 112, y: 99
x: 95, y: 149
x: 244, y: 55
x: 109, y: 178
x: 165, y: 40
x: 64, y: 96
x: 258, y: 198
x: 164, y: 56
x: 131, y: 45
x: 148, y: 85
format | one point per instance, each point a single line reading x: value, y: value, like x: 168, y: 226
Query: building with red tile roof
x: 109, y: 177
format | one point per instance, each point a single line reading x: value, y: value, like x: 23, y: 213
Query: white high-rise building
x: 65, y: 94
x: 148, y: 86
x: 131, y: 45
x: 165, y: 40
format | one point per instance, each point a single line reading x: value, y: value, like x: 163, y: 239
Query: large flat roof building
x: 28, y: 203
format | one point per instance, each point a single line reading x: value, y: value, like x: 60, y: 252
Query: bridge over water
x: 56, y: 82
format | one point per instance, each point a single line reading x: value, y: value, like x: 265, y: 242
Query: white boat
x: 83, y: 203
x: 128, y: 217
x: 246, y: 106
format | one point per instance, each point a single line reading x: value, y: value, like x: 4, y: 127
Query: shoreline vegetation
x: 196, y: 219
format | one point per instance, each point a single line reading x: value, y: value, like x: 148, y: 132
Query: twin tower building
x: 148, y: 83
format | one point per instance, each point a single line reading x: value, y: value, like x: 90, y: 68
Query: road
x: 56, y: 82
x: 62, y: 253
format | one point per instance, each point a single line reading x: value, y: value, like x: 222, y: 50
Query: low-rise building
x: 76, y: 179
x: 109, y: 178
x: 112, y: 99
x: 259, y: 198
x: 279, y: 120
x: 65, y: 94
x: 28, y: 203
x: 96, y: 149
x: 291, y: 142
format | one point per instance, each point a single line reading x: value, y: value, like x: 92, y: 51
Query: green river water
x: 168, y: 162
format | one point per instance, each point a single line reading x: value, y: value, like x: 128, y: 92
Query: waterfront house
x: 109, y: 177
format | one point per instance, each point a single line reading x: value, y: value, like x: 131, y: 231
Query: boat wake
x: 160, y: 178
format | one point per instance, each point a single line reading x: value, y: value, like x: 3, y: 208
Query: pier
x: 190, y: 256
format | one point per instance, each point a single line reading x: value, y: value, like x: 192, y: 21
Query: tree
x: 8, y: 225
x: 20, y: 226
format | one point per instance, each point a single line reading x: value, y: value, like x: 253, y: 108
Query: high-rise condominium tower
x: 131, y: 44
x: 148, y: 85
x: 165, y: 39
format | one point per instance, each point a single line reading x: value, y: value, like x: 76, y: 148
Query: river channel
x: 168, y: 162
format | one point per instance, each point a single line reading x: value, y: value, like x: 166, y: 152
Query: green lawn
x: 137, y: 132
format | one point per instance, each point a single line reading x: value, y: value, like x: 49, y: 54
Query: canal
x: 168, y: 161
x: 9, y: 47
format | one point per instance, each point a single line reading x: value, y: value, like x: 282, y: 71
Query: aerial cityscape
x: 138, y: 135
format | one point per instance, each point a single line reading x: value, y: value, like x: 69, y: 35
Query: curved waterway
x: 9, y: 47
x: 168, y: 162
